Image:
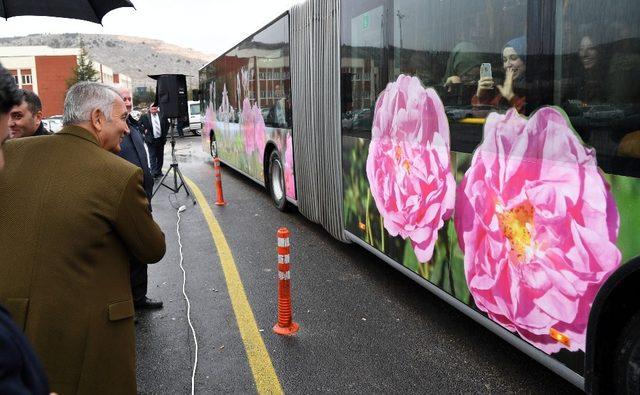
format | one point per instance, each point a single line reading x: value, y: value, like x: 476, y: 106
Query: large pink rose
x: 248, y: 127
x: 289, y: 179
x: 260, y: 131
x: 538, y: 225
x: 409, y: 165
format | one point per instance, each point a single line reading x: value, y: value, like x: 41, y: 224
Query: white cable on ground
x: 184, y: 281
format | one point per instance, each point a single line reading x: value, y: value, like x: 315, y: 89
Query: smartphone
x: 485, y: 70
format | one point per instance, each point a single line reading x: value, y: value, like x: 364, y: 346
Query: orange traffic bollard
x: 218, y: 173
x: 285, y: 325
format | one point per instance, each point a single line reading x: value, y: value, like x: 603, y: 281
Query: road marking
x: 261, y: 366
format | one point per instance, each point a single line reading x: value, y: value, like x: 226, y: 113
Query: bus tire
x: 276, y: 181
x: 213, y: 146
x: 627, y: 359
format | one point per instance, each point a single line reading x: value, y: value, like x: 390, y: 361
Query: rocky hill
x: 134, y: 56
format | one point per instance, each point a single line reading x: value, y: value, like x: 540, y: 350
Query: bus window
x: 272, y: 62
x: 231, y: 71
x: 473, y: 53
x: 600, y: 61
x: 363, y: 73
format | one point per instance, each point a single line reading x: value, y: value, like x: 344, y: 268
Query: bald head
x: 125, y: 93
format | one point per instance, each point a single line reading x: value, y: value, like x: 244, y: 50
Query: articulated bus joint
x: 613, y: 307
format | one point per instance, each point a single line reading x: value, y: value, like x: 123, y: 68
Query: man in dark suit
x: 64, y: 272
x: 133, y: 150
x: 20, y: 369
x: 155, y: 128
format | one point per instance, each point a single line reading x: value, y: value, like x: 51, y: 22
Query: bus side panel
x: 242, y: 144
x: 519, y: 208
x: 247, y: 103
x: 371, y: 217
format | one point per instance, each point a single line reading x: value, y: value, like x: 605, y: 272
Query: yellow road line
x: 261, y: 366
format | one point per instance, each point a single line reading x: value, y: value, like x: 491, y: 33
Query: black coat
x: 20, y: 369
x: 42, y: 131
x: 146, y: 127
x: 134, y: 152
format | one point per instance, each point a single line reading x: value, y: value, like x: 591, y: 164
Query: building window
x: 26, y: 80
x: 15, y: 77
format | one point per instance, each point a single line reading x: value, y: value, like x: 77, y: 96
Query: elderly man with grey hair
x: 81, y: 213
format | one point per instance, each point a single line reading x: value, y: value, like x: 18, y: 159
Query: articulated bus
x: 488, y: 149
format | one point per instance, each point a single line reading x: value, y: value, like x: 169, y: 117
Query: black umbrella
x: 88, y: 10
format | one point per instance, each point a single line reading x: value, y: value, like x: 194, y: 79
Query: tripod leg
x: 186, y: 188
x: 176, y: 171
x: 175, y: 178
x: 161, y: 183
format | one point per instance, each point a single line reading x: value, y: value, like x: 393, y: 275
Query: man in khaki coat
x: 71, y: 213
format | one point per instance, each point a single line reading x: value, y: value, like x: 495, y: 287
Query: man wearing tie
x: 154, y: 129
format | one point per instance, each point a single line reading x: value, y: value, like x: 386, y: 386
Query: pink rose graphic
x: 209, y: 118
x: 538, y: 225
x: 409, y: 165
x: 260, y: 131
x: 289, y: 180
x: 248, y: 127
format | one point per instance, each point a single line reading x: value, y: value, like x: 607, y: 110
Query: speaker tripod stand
x: 178, y: 179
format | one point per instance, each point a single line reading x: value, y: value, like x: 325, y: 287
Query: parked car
x: 53, y: 123
x: 195, y: 117
x: 136, y: 114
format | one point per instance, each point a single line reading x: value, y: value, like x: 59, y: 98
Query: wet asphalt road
x: 365, y: 328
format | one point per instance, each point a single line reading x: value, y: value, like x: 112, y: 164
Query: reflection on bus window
x: 481, y: 56
x: 600, y: 64
x: 460, y: 37
x: 363, y: 73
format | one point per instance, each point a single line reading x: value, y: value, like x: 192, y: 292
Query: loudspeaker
x: 171, y: 95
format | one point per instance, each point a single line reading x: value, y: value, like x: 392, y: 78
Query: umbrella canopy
x: 88, y: 10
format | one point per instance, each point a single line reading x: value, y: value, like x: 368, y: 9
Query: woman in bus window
x: 463, y: 65
x: 590, y: 80
x: 512, y: 92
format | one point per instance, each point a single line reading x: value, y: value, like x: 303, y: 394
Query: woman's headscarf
x: 519, y: 44
x: 464, y: 57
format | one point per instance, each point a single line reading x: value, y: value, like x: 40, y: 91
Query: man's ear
x: 97, y: 119
x: 38, y: 116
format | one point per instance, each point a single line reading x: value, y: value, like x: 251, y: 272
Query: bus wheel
x: 213, y: 146
x: 627, y: 359
x: 276, y: 181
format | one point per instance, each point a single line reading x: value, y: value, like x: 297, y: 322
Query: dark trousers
x: 138, y: 272
x: 156, y: 156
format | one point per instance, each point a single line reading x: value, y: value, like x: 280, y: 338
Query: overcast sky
x: 210, y: 26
